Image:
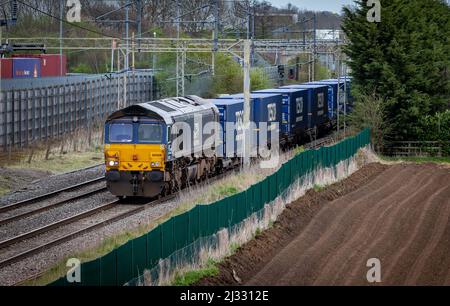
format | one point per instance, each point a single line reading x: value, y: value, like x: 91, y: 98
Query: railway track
x: 70, y: 220
x: 46, y: 196
x: 320, y: 143
x: 49, y: 207
x: 74, y: 234
x: 83, y: 215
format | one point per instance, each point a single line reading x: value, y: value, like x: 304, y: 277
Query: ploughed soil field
x: 398, y: 214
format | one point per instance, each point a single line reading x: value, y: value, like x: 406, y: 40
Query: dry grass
x: 3, y: 188
x: 80, y: 149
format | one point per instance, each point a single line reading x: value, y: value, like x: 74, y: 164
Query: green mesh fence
x: 199, y: 226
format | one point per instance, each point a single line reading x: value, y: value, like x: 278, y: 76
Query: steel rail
x: 57, y: 224
x: 51, y: 206
x: 47, y: 195
x: 79, y: 232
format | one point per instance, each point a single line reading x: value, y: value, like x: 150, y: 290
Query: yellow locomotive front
x: 135, y: 156
x: 140, y: 160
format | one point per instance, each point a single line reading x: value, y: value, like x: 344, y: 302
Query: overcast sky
x: 314, y: 5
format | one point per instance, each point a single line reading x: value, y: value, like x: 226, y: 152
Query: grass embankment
x: 191, y: 277
x: 76, y: 151
x: 63, y: 163
x: 19, y: 173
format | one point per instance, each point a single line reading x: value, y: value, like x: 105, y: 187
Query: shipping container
x: 317, y: 104
x: 7, y: 68
x: 50, y: 64
x: 230, y: 110
x: 345, y: 87
x: 264, y: 108
x: 26, y: 68
x: 294, y: 110
x: 333, y: 86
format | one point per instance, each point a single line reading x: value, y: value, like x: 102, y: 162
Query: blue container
x: 333, y: 87
x: 26, y: 68
x: 345, y: 83
x: 348, y: 87
x: 230, y: 110
x: 317, y: 104
x: 264, y: 108
x: 294, y: 110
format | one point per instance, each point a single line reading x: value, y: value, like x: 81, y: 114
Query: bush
x: 436, y: 128
x: 368, y: 112
x: 82, y: 68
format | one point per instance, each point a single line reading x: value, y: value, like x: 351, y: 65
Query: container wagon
x: 346, y: 86
x: 333, y: 89
x: 318, y: 118
x: 294, y: 113
x: 230, y: 111
x: 264, y: 108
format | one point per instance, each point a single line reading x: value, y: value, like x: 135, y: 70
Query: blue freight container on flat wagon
x: 264, y: 108
x: 230, y: 110
x: 317, y: 104
x: 333, y: 88
x: 348, y: 87
x: 294, y: 110
x: 26, y: 68
x: 345, y: 83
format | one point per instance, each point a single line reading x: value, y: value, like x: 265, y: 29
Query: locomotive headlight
x: 113, y: 163
x: 155, y: 164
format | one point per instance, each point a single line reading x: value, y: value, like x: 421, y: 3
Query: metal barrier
x: 41, y: 111
x: 178, y: 233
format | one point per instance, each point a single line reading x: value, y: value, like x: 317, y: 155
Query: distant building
x: 328, y: 34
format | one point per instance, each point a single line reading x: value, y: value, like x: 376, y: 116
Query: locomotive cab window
x: 150, y: 133
x: 121, y: 133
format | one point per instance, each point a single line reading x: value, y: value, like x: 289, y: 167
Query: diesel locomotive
x: 138, y: 147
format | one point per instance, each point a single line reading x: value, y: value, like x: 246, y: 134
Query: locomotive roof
x: 165, y: 109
